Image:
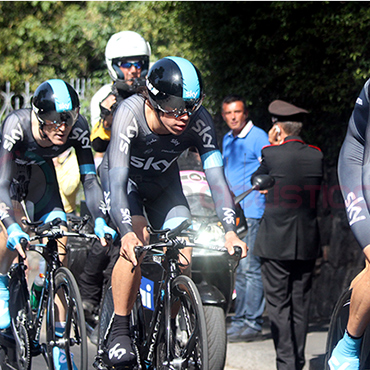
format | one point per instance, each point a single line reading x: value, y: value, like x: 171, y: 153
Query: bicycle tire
x: 106, y: 314
x: 189, y: 347
x: 337, y: 327
x: 74, y: 340
x: 20, y: 312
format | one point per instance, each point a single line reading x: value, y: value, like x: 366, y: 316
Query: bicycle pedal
x: 99, y: 364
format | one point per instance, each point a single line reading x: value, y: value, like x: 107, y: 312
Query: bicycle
x: 24, y: 341
x: 337, y: 326
x: 168, y: 342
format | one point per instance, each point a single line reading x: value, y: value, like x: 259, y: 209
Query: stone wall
x: 342, y: 258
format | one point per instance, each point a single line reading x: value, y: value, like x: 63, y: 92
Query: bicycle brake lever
x: 138, y: 253
x: 237, y: 255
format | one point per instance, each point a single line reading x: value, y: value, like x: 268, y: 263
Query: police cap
x: 282, y: 111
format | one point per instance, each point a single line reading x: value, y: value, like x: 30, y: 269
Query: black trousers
x: 97, y: 271
x: 287, y: 286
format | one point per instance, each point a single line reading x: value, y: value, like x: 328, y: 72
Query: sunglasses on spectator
x: 125, y: 64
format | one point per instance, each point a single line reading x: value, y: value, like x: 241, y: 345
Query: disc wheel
x: 186, y: 346
x: 69, y: 347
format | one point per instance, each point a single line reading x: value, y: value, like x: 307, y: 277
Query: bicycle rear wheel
x: 187, y: 345
x: 20, y: 312
x: 71, y: 347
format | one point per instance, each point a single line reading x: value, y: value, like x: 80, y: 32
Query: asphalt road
x: 260, y: 355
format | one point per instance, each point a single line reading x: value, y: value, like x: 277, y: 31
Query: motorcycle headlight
x: 212, y: 235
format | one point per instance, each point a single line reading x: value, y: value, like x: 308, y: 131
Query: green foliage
x: 313, y: 54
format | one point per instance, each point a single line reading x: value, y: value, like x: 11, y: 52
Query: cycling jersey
x: 140, y: 168
x: 28, y: 168
x: 354, y: 168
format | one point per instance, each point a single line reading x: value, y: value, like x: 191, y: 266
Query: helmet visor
x: 176, y: 106
x: 59, y: 118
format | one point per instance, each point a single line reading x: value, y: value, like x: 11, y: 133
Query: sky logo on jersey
x: 354, y: 209
x: 147, y: 293
x: 15, y: 135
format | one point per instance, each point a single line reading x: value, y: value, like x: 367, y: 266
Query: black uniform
x: 288, y: 243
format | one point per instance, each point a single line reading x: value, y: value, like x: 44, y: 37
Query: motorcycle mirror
x: 260, y: 182
x: 263, y: 182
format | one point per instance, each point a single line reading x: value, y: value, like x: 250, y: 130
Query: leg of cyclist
x: 6, y: 257
x: 125, y: 285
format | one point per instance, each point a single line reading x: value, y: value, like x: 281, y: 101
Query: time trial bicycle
x: 25, y: 340
x: 173, y: 334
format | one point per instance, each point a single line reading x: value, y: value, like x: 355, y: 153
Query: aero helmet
x: 56, y: 101
x: 175, y: 86
x: 126, y: 44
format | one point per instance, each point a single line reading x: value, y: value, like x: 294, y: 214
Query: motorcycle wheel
x: 216, y: 333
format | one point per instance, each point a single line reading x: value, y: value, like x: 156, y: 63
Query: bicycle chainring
x: 23, y: 351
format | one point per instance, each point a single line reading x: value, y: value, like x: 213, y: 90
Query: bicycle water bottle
x: 37, y: 286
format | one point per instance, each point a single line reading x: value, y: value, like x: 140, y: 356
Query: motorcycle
x: 212, y: 271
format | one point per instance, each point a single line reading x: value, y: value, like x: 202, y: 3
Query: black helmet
x: 175, y: 86
x: 56, y: 101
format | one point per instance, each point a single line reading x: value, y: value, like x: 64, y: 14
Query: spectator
x: 241, y: 157
x: 288, y: 237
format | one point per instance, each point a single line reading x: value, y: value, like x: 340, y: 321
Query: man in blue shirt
x: 241, y: 156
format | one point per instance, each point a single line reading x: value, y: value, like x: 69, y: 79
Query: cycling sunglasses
x: 125, y: 64
x: 58, y: 119
x: 189, y: 109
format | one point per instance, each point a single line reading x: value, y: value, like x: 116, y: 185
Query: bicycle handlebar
x: 52, y: 230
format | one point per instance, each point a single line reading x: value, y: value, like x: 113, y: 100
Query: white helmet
x: 126, y: 44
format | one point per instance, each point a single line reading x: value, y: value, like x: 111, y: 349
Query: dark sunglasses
x: 124, y: 64
x: 189, y: 109
x: 57, y: 119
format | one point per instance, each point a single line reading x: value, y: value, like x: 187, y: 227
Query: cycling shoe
x: 4, y: 302
x: 120, y: 352
x: 346, y: 354
x: 60, y: 360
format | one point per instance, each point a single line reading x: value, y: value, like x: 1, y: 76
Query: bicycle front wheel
x: 185, y: 345
x: 68, y: 346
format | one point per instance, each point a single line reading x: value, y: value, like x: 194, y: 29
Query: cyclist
x: 353, y: 172
x: 127, y: 58
x: 149, y: 132
x: 30, y: 138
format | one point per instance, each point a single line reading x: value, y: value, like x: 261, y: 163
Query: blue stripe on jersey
x: 53, y: 215
x: 87, y: 169
x: 190, y: 82
x: 212, y: 159
x: 63, y: 100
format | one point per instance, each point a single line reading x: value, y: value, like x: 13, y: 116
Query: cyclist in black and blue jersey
x: 30, y: 139
x: 139, y: 174
x: 354, y: 179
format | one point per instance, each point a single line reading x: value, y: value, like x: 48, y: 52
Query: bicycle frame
x: 154, y: 327
x: 30, y: 322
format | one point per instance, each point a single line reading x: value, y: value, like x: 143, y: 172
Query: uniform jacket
x: 288, y: 229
